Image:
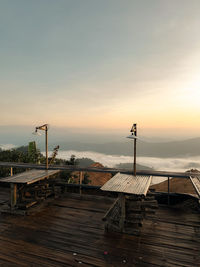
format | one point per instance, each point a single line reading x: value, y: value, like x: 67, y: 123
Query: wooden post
x: 80, y: 182
x: 123, y: 211
x: 13, y: 197
x: 11, y: 171
x: 168, y: 200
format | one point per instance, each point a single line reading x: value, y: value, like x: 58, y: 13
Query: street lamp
x: 133, y: 136
x: 45, y: 128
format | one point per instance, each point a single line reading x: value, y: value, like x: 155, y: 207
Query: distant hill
x: 98, y: 178
x: 84, y: 162
x: 129, y: 166
x: 190, y: 147
x: 177, y: 185
x: 94, y: 178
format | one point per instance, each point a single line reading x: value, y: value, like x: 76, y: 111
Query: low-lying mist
x: 164, y: 164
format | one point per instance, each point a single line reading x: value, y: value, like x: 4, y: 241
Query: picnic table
x: 20, y: 181
x: 127, y: 186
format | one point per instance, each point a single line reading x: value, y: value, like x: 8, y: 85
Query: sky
x: 101, y: 65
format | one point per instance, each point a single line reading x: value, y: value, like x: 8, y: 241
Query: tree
x: 85, y: 178
x: 34, y: 154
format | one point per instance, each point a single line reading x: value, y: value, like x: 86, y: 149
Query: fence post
x: 13, y: 195
x: 11, y: 171
x: 168, y: 200
x: 80, y: 181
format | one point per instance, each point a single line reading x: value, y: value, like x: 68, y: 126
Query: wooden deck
x: 70, y: 232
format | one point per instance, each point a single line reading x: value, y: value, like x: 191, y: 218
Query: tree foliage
x: 30, y: 154
x: 86, y: 179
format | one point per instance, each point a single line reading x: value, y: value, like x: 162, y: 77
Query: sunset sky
x: 98, y: 65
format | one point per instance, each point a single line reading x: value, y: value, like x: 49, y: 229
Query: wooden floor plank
x: 74, y: 225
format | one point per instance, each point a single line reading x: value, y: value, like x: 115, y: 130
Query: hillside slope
x: 95, y: 178
x: 177, y: 185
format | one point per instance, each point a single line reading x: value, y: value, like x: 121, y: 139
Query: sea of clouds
x: 163, y: 164
x: 159, y: 164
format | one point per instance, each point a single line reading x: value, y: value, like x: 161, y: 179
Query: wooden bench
x: 20, y: 181
x: 128, y: 209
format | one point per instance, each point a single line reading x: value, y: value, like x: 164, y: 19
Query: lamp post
x: 45, y: 128
x: 134, y: 137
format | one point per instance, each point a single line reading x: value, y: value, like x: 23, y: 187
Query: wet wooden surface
x: 130, y: 184
x: 29, y: 177
x: 70, y: 232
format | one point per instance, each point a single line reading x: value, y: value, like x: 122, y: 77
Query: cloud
x: 166, y: 164
x: 7, y: 146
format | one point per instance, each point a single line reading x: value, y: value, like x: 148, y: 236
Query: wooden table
x: 25, y: 178
x: 124, y: 184
x: 128, y: 184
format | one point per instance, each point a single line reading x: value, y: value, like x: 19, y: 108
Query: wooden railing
x: 72, y: 168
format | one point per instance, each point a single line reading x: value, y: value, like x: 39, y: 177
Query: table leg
x: 123, y: 211
x: 13, y: 197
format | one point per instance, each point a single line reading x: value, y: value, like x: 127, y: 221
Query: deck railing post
x: 13, y: 195
x: 80, y: 182
x: 13, y: 192
x: 168, y: 199
x: 11, y: 171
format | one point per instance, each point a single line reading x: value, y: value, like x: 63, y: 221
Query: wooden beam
x: 196, y: 184
x: 110, y: 210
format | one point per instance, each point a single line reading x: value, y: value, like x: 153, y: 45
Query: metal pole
x: 134, y: 164
x: 46, y: 146
x: 168, y: 200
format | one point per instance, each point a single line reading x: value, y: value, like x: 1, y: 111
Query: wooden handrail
x: 71, y: 168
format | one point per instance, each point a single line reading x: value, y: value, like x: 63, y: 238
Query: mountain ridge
x: 183, y: 148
